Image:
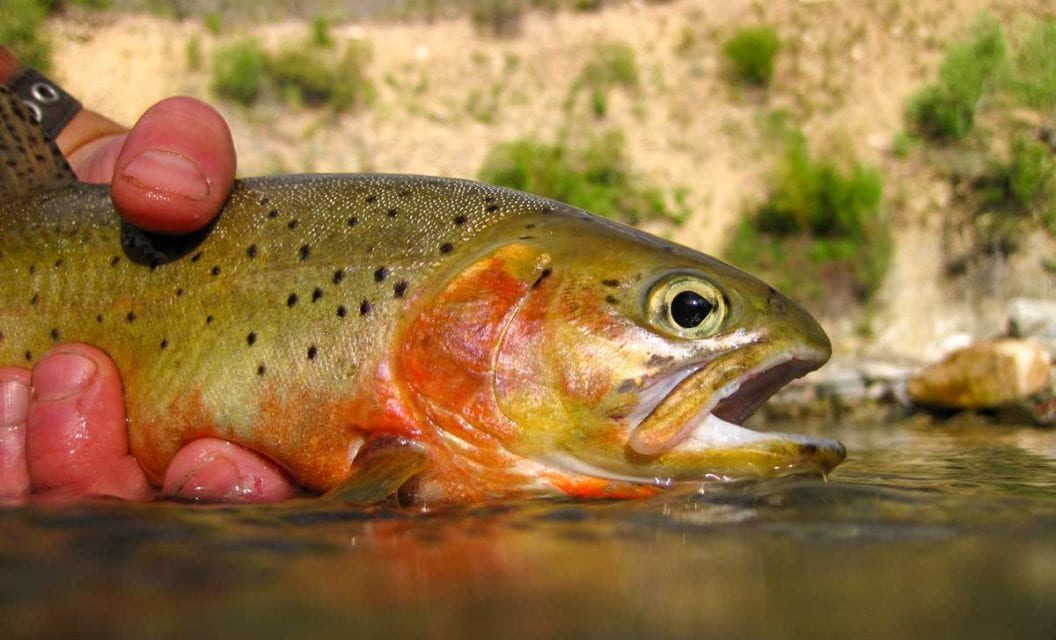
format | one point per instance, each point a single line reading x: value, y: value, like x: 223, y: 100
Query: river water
x: 927, y: 531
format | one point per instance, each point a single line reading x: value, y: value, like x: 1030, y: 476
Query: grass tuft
x: 595, y: 177
x: 751, y: 53
x: 238, y: 71
x: 945, y: 110
x: 819, y: 228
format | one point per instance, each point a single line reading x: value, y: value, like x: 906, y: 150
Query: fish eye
x: 686, y: 306
x: 689, y: 309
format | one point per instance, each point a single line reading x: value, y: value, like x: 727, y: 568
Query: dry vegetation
x: 692, y: 102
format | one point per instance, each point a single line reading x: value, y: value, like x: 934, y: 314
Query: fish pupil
x: 689, y: 309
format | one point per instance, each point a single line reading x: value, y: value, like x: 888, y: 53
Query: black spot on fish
x: 542, y: 276
x: 292, y: 224
x: 114, y: 260
x: 392, y: 213
x: 339, y: 275
x: 305, y: 251
x: 29, y: 356
x: 208, y: 319
x: 58, y: 263
x: 99, y: 318
x: 251, y: 338
x: 460, y: 220
x: 371, y: 199
x: 196, y: 257
x: 274, y: 213
x: 611, y: 283
x: 491, y: 208
x: 611, y: 299
x: 364, y: 307
x: 55, y: 335
x: 546, y: 209
x: 380, y: 274
x: 291, y: 300
x: 405, y: 193
x: 32, y: 269
x: 342, y: 311
x: 215, y: 270
x: 265, y: 201
x: 251, y: 251
x: 447, y: 247
x: 179, y: 291
x: 164, y: 343
x: 317, y: 293
x: 489, y: 199
x: 400, y: 288
x: 312, y: 352
x: 353, y: 221
x: 261, y: 369
x: 526, y: 238
x: 130, y: 317
x: 530, y: 225
x: 35, y: 299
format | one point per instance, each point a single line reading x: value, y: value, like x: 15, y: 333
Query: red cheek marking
x: 449, y: 350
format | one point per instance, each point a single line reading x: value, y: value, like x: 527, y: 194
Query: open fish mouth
x: 699, y: 423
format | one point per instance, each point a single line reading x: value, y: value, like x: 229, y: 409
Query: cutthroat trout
x: 439, y: 339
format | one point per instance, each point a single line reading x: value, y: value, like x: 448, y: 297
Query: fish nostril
x: 776, y: 301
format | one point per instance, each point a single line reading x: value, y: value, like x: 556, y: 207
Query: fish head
x: 618, y: 355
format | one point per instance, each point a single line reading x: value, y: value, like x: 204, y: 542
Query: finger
x: 176, y: 168
x: 76, y: 438
x: 14, y: 407
x: 217, y: 471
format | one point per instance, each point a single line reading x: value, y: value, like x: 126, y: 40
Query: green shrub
x: 321, y: 32
x: 820, y: 218
x: 238, y: 72
x: 1034, y: 75
x: 22, y: 29
x: 751, y: 52
x: 499, y: 18
x: 594, y: 177
x: 213, y: 22
x: 946, y: 109
x: 312, y: 76
x: 302, y: 76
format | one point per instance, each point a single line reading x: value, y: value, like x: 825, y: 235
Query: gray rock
x: 1033, y: 318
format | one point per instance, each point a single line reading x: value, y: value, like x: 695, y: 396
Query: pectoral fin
x: 382, y: 466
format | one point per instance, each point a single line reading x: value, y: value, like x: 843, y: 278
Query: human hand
x: 62, y: 425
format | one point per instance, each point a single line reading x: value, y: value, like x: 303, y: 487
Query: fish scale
x: 374, y: 334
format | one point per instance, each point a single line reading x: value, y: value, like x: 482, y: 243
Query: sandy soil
x: 845, y: 72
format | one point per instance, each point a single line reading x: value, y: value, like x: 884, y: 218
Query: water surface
x: 927, y: 531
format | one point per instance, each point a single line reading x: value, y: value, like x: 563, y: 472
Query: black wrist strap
x: 49, y: 106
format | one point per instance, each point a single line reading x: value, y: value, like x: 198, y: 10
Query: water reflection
x: 927, y: 531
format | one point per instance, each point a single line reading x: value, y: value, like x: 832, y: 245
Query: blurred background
x: 891, y: 163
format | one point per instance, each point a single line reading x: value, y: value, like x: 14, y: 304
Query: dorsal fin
x: 29, y: 161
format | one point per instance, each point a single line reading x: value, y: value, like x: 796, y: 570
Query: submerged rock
x: 989, y: 374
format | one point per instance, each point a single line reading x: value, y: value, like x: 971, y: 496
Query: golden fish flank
x: 441, y: 338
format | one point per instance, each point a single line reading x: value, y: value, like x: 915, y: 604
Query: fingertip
x: 76, y: 436
x: 213, y: 470
x: 176, y: 167
x: 14, y: 407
